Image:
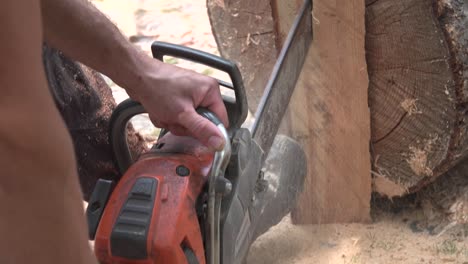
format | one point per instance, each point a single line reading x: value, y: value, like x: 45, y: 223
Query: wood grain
x: 411, y: 111
x: 330, y: 116
x: 284, y: 13
x: 417, y: 59
x: 244, y: 32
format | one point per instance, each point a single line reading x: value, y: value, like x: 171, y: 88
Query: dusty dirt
x: 388, y: 240
x: 391, y: 238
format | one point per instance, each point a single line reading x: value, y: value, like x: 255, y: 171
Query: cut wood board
x: 329, y: 112
x: 329, y: 115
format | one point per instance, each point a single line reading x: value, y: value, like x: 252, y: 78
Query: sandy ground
x: 389, y: 239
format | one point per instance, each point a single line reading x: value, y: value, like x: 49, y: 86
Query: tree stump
x: 416, y: 55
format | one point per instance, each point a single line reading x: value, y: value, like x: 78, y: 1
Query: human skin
x: 42, y: 219
x: 170, y: 94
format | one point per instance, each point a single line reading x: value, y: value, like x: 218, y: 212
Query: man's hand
x: 170, y: 94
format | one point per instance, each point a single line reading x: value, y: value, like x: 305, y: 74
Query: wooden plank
x: 329, y: 115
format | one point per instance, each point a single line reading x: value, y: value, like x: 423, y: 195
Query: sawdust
x: 417, y: 159
x: 388, y: 240
x: 382, y: 184
x: 409, y: 105
x: 385, y: 186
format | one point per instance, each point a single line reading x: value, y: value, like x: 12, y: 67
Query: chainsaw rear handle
x: 237, y: 111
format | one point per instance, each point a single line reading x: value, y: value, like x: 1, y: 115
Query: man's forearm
x: 83, y: 33
x: 170, y: 94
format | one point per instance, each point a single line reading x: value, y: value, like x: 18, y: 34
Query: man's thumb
x: 202, y: 129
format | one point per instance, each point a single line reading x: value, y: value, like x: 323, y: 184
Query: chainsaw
x: 180, y: 202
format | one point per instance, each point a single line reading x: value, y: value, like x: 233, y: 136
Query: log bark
x: 417, y: 60
x: 445, y: 201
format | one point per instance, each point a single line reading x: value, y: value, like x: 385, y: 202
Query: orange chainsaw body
x: 177, y: 168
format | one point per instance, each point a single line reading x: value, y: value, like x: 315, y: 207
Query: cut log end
x: 415, y: 93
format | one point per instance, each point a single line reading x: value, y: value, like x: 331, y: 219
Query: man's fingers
x: 220, y: 111
x: 158, y: 123
x: 214, y: 102
x: 178, y: 130
x: 202, y: 129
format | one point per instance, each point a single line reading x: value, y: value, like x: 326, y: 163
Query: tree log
x: 245, y: 34
x: 418, y: 65
x: 417, y: 61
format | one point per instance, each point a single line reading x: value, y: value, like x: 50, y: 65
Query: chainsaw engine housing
x: 151, y: 214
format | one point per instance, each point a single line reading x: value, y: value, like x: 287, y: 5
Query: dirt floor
x: 391, y: 238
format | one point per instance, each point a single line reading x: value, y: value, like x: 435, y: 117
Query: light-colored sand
x: 389, y: 240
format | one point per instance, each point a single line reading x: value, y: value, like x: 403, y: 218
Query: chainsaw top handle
x: 237, y: 110
x: 118, y: 132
